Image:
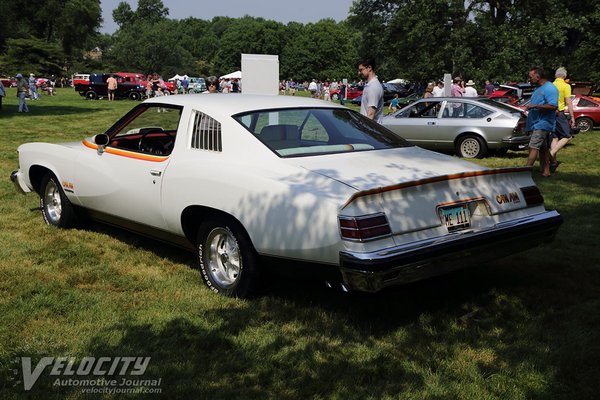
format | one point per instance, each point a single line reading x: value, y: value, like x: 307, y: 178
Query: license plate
x: 456, y: 217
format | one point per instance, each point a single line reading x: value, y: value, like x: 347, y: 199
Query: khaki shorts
x: 539, y: 139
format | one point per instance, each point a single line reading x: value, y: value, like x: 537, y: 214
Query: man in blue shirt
x: 541, y: 118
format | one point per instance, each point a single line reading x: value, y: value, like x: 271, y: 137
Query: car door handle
x: 431, y: 123
x: 155, y: 172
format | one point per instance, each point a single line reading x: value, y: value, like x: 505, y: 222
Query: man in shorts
x: 111, y: 82
x: 562, y: 134
x: 541, y: 118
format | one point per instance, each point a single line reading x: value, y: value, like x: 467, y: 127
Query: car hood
x: 378, y: 168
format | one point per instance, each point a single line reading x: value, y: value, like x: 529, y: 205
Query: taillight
x: 533, y: 196
x: 364, y: 227
x: 520, y: 128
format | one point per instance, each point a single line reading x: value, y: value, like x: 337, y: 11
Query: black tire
x: 91, y: 95
x: 227, y: 259
x: 135, y: 96
x: 57, y: 210
x: 471, y: 146
x: 584, y: 124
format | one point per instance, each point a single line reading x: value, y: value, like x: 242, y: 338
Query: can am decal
x: 512, y: 197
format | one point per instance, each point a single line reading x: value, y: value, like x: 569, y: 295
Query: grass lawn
x: 526, y: 327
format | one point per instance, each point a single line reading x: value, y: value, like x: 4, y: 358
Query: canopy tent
x: 233, y: 75
x: 178, y: 77
x: 397, y: 80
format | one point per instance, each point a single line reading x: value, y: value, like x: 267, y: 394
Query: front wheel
x: 584, y: 124
x: 471, y: 146
x: 91, y: 95
x: 228, y: 262
x: 334, y: 97
x: 57, y: 210
x: 135, y: 96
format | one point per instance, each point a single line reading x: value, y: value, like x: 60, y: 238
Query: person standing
x: 312, y: 87
x: 429, y: 91
x: 438, y: 90
x: 111, y: 82
x: 562, y: 132
x: 33, y: 87
x: 489, y: 88
x: 371, y: 104
x: 185, y: 84
x: 541, y: 118
x: 2, y: 93
x: 470, y: 90
x: 342, y: 92
x: 22, y: 91
x: 457, y: 90
x: 394, y: 103
x: 212, y: 83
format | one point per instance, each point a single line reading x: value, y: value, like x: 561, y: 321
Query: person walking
x: 541, y: 118
x: 342, y: 93
x: 111, y: 82
x: 562, y: 132
x: 394, y: 103
x: 489, y: 88
x: 22, y: 91
x: 438, y: 90
x: 371, y: 104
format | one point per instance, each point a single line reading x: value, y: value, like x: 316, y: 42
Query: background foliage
x: 411, y: 39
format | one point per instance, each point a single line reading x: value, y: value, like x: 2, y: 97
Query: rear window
x: 504, y: 107
x: 314, y: 131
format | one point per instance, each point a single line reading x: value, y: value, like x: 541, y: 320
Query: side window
x: 454, y: 109
x: 151, y: 131
x: 206, y: 134
x: 473, y: 111
x: 427, y: 109
x: 586, y: 103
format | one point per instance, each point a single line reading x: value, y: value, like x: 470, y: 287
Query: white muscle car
x: 260, y: 184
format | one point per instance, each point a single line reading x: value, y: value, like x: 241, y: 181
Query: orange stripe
x: 434, y: 179
x: 460, y: 201
x: 126, y: 153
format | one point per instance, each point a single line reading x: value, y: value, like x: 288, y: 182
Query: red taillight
x: 533, y: 196
x: 365, y: 227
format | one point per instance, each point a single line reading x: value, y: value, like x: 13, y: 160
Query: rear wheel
x: 584, y: 124
x: 471, y: 146
x: 91, y: 95
x: 57, y: 210
x: 334, y: 97
x: 228, y: 262
x: 135, y: 96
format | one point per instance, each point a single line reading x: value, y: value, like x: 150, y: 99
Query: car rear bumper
x: 371, y: 272
x: 515, y: 140
x: 19, y: 183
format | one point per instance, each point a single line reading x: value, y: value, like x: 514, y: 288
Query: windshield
x: 313, y: 131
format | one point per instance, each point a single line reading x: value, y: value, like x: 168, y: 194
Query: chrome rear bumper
x: 371, y: 272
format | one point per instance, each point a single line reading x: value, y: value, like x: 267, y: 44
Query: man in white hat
x: 22, y: 91
x: 470, y: 90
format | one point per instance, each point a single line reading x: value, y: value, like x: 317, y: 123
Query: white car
x: 259, y: 184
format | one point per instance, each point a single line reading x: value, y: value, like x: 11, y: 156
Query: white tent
x: 397, y: 80
x: 178, y: 77
x: 233, y: 75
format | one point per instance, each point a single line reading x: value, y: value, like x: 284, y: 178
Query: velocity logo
x: 66, y: 366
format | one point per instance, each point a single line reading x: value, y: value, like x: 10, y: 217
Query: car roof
x: 232, y: 103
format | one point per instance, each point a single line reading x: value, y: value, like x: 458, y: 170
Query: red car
x: 8, y: 82
x: 352, y: 92
x: 587, y: 112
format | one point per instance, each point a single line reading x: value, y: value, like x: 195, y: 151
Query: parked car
x: 168, y: 87
x: 254, y: 185
x: 587, y: 112
x: 83, y: 79
x: 196, y: 85
x: 469, y: 126
x: 97, y: 88
x: 9, y: 82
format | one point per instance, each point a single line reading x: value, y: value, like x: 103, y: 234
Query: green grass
x: 525, y: 327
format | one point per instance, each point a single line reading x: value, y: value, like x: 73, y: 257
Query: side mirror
x: 101, y: 140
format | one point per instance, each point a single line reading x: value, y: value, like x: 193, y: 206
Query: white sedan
x: 259, y: 184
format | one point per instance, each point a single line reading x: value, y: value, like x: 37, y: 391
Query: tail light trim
x: 364, y: 228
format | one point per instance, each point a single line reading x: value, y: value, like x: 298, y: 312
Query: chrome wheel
x: 223, y: 257
x: 585, y: 124
x: 52, y: 203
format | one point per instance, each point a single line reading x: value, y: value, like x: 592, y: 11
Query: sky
x: 284, y: 11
